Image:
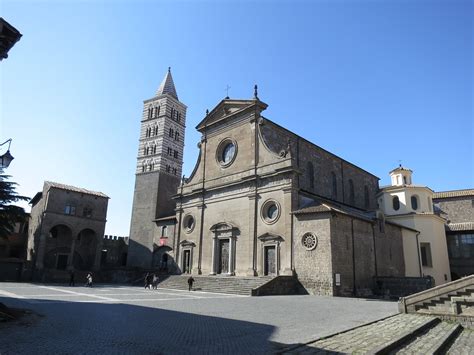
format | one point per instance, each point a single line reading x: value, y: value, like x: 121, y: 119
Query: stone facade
x: 158, y: 173
x: 457, y: 207
x: 263, y: 201
x: 66, y: 228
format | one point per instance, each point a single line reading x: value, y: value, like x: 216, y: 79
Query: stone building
x: 263, y: 201
x: 114, y: 251
x: 66, y: 228
x: 457, y: 207
x: 158, y: 173
x: 412, y: 206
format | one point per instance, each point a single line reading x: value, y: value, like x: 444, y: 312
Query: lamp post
x: 6, y: 158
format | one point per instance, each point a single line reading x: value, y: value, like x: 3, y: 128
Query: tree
x: 9, y: 214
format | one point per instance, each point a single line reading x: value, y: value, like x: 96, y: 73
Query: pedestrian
x: 146, y: 280
x: 190, y: 283
x: 89, y: 279
x: 156, y: 279
x: 71, y: 277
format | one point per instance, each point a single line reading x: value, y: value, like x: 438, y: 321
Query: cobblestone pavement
x: 464, y: 344
x: 131, y: 320
x: 363, y: 339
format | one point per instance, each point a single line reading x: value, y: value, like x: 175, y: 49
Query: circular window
x: 188, y: 223
x: 309, y: 241
x: 270, y: 211
x: 226, y: 152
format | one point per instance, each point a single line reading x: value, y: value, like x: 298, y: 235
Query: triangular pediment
x: 228, y: 108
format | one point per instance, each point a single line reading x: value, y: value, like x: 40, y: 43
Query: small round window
x: 226, y: 152
x: 309, y: 241
x: 270, y: 211
x: 188, y: 223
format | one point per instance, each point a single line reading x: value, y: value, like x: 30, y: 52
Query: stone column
x: 231, y: 256
x: 98, y: 253
x: 70, y: 260
x: 213, y: 257
x: 252, y: 258
x: 287, y: 248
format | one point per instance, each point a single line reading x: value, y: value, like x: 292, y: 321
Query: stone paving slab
x: 366, y: 338
x: 464, y: 343
x: 424, y: 343
x: 140, y: 321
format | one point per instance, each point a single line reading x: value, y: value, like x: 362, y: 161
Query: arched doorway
x: 58, y: 247
x: 161, y: 258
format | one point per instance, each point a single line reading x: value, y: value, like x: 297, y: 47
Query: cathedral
x: 260, y: 201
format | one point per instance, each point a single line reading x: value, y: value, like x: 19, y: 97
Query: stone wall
x: 324, y: 164
x: 395, y: 287
x: 456, y: 209
x: 314, y: 268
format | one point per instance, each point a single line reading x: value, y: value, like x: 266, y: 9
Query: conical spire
x: 167, y: 86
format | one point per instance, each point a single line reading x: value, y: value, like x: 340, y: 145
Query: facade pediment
x: 227, y: 108
x: 223, y: 227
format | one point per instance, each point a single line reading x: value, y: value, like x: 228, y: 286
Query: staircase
x: 400, y: 334
x: 451, y: 300
x: 218, y: 284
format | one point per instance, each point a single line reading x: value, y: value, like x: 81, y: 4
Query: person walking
x: 190, y: 283
x: 89, y: 280
x: 71, y: 278
x: 156, y: 279
x: 145, y: 280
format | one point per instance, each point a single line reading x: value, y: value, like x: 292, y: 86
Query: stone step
x: 217, y: 284
x: 463, y: 344
x: 378, y: 337
x: 435, y: 340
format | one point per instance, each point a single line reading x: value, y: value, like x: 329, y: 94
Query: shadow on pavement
x: 90, y: 327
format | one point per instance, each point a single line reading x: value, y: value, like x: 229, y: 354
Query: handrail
x: 436, y: 291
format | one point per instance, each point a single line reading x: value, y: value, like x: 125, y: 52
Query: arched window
x: 351, y: 192
x: 171, y: 132
x: 164, y: 231
x: 150, y: 110
x: 157, y: 111
x: 310, y: 174
x: 176, y: 136
x: 396, y: 203
x: 366, y: 197
x: 414, y: 202
x: 154, y: 149
x: 156, y: 130
x: 334, y: 185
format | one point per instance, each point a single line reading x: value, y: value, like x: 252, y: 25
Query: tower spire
x: 167, y: 86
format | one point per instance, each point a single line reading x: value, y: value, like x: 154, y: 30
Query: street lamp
x: 6, y: 158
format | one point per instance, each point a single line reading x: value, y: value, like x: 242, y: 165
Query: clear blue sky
x: 374, y: 82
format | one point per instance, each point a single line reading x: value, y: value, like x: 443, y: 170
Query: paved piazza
x: 127, y: 320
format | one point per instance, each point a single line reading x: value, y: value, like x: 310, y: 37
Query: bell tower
x: 158, y: 170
